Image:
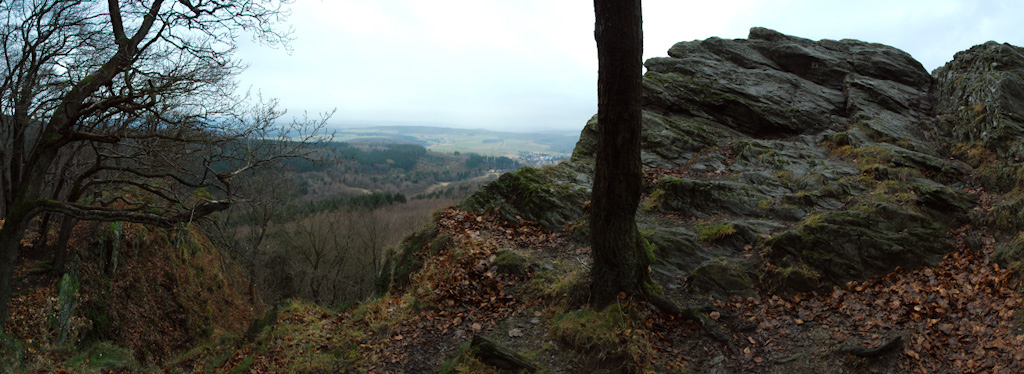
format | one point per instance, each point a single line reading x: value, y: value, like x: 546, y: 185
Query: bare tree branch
x: 131, y: 100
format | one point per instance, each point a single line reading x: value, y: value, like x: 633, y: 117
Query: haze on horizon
x: 531, y: 65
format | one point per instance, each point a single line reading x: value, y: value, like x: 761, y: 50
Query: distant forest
x: 377, y: 158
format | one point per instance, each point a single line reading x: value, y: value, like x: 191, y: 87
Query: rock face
x: 981, y: 95
x: 776, y: 163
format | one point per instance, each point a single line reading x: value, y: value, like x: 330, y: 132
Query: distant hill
x: 485, y: 142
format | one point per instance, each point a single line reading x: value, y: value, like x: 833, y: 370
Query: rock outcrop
x: 981, y: 97
x: 776, y: 163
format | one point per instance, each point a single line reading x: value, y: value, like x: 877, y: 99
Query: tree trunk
x: 620, y: 260
x: 60, y: 250
x: 44, y: 230
x: 10, y: 244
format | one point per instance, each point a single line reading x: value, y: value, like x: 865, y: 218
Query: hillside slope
x: 813, y: 206
x: 133, y: 297
x: 811, y: 196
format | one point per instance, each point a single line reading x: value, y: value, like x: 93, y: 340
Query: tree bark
x: 60, y: 250
x: 44, y: 229
x: 620, y: 259
x: 10, y: 242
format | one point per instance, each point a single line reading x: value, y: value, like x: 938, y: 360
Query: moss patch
x: 611, y: 338
x: 104, y: 356
x: 711, y: 232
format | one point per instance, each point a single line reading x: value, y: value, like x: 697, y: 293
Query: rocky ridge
x: 781, y: 164
x: 816, y: 205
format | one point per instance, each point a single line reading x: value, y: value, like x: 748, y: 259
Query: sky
x: 531, y: 65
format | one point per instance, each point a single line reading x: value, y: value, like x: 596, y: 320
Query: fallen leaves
x: 463, y: 293
x: 957, y: 316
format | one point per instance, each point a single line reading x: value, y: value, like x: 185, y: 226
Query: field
x: 484, y: 142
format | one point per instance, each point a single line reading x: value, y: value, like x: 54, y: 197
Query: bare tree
x: 620, y: 259
x: 323, y: 245
x: 141, y: 93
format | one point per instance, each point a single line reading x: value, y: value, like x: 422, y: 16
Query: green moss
x: 11, y: 353
x: 864, y: 156
x: 104, y: 357
x: 510, y: 262
x: 463, y: 362
x: 670, y: 182
x: 567, y: 284
x: 200, y: 195
x: 711, y: 232
x: 799, y: 278
x: 648, y: 247
x: 812, y: 220
x: 311, y: 343
x: 67, y: 298
x: 408, y: 258
x: 610, y: 336
x: 1008, y: 212
x: 784, y: 176
x: 653, y: 201
x: 1011, y: 255
x: 243, y: 367
x: 802, y: 270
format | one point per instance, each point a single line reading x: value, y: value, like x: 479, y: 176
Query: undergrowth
x: 613, y: 338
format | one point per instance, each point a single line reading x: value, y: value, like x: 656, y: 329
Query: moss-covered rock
x: 1010, y: 254
x: 781, y: 163
x: 705, y: 198
x: 407, y: 258
x: 551, y: 196
x: 859, y: 243
x: 510, y: 262
x: 722, y: 277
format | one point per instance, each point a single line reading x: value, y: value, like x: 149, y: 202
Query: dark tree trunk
x: 60, y: 250
x: 620, y: 260
x: 10, y: 242
x: 44, y: 230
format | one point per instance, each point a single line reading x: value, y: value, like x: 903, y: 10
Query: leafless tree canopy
x: 122, y: 110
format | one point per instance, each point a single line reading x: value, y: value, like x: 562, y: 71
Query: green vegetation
x: 711, y: 232
x: 653, y: 201
x: 367, y: 157
x: 479, y: 162
x: 103, y: 357
x: 611, y: 338
x: 11, y: 353
x: 314, y: 344
x: 464, y: 362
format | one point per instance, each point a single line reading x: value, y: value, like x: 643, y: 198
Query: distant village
x: 539, y: 159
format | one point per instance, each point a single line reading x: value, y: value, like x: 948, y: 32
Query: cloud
x: 531, y: 64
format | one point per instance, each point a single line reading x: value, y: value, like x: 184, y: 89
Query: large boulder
x: 981, y: 97
x: 980, y: 101
x: 782, y: 163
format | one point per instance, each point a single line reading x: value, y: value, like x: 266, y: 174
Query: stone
x: 830, y: 160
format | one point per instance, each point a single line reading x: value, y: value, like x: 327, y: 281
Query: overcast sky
x: 525, y: 65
